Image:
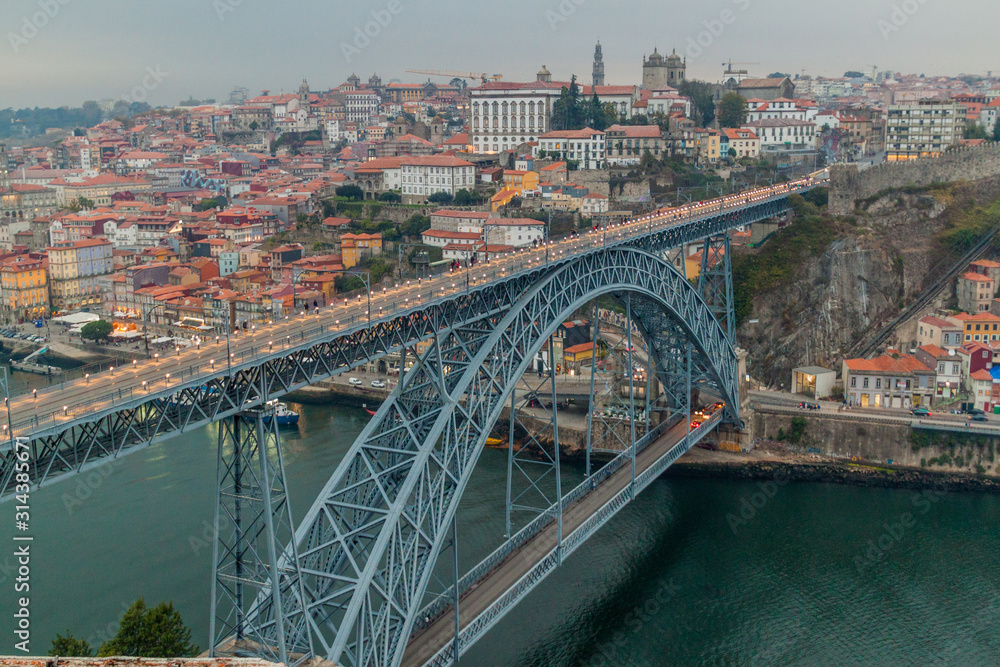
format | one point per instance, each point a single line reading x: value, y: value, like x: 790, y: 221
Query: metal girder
x: 125, y: 421
x: 369, y: 542
x: 252, y: 517
x: 715, y: 282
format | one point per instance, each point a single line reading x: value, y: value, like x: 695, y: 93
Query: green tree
x: 155, y: 632
x: 996, y: 131
x: 853, y: 74
x: 352, y: 192
x: 207, y: 204
x: 440, y: 198
x: 464, y: 198
x: 99, y: 330
x: 254, y: 125
x: 732, y: 152
x: 702, y: 98
x: 392, y: 197
x: 567, y: 113
x: 86, y: 203
x: 732, y: 110
x: 976, y: 131
x: 70, y: 647
x: 416, y: 225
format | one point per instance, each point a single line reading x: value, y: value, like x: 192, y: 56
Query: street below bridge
x: 58, y: 407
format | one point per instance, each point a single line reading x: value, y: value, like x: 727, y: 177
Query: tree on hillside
x: 391, y: 197
x: 70, y: 647
x: 465, y: 198
x: 853, y: 74
x: 732, y: 110
x: 99, y: 330
x: 155, y: 632
x: 351, y: 192
x: 779, y: 75
x: 440, y: 198
x: 567, y: 113
x: 702, y: 98
x: 996, y: 131
x: 976, y: 132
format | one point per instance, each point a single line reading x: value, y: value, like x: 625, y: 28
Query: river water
x: 695, y: 572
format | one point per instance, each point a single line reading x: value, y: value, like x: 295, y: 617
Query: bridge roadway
x: 57, y: 408
x: 425, y: 645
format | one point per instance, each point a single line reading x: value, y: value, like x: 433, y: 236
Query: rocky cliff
x: 878, y: 260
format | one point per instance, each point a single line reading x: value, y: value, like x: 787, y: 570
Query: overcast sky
x: 94, y: 49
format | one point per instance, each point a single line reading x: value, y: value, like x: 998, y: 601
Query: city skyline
x: 203, y: 48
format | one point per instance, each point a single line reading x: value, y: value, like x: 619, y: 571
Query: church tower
x: 598, y: 65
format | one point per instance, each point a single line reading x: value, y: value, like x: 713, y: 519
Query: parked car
x: 975, y: 411
x: 355, y: 382
x: 920, y: 412
x: 378, y: 384
x: 981, y: 417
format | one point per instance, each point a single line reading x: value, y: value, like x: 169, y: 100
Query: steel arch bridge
x: 349, y: 586
x: 367, y: 546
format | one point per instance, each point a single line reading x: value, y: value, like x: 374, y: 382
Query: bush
x: 798, y: 429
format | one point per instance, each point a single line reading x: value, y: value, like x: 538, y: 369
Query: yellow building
x: 501, y: 199
x: 519, y: 181
x: 354, y: 248
x: 24, y: 291
x: 708, y: 147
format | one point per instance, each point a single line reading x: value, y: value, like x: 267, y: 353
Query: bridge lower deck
x: 439, y: 633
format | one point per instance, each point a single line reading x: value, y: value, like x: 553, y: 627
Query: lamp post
x: 367, y: 278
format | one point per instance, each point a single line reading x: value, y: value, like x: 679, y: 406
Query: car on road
x: 378, y: 384
x: 355, y: 382
x: 974, y: 411
x: 920, y: 412
x: 981, y: 417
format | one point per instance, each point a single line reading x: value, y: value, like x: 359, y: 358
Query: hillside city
x: 207, y: 218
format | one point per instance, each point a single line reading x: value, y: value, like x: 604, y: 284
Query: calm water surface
x: 815, y: 575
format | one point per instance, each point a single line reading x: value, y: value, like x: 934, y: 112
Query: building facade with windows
x: 887, y: 382
x: 76, y: 273
x: 586, y: 146
x: 923, y: 128
x: 505, y: 114
x: 24, y: 292
x: 423, y: 176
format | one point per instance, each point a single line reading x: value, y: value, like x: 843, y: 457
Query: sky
x: 62, y: 52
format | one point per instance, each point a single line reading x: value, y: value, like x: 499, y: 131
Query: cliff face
x: 879, y: 261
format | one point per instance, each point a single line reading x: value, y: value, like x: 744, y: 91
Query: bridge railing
x: 440, y: 603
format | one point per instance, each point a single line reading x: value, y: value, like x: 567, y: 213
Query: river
x: 695, y: 572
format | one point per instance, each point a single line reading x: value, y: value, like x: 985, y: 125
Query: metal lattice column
x: 533, y: 469
x: 715, y: 283
x: 252, y: 517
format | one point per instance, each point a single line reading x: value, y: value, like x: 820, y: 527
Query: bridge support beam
x: 252, y: 516
x: 533, y: 471
x: 715, y: 283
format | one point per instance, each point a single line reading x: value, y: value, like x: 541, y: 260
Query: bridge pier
x: 252, y: 518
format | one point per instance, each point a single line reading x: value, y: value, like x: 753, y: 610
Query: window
x: 878, y: 383
x: 854, y: 381
x: 865, y: 383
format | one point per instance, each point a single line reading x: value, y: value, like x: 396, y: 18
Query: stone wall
x: 842, y: 435
x: 848, y: 185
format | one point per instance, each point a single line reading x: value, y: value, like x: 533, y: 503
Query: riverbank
x: 770, y: 464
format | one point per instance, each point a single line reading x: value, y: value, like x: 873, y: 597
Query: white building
x: 516, y: 232
x: 586, y: 146
x: 422, y: 176
x: 780, y: 109
x: 504, y: 114
x: 361, y: 106
x: 924, y: 128
x: 593, y: 204
x: 783, y: 134
x: 667, y: 103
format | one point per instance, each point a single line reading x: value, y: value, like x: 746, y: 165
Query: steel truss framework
x: 252, y: 517
x: 368, y: 544
x: 136, y: 421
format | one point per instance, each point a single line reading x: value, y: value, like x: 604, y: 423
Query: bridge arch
x: 368, y: 545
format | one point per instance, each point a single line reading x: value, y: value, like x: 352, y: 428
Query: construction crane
x: 482, y: 76
x: 737, y: 72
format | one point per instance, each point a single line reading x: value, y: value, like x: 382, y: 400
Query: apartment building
x: 923, y: 128
x: 24, y: 292
x: 76, y: 273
